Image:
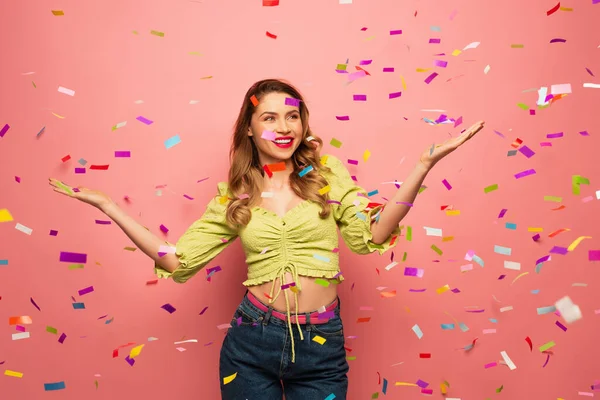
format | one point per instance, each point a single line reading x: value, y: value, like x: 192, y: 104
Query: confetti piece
x: 270, y: 3
x: 508, y: 361
x: 144, y: 120
x: 14, y: 374
x: 430, y: 78
x: 66, y: 91
x: 229, y: 378
x: 5, y: 215
x: 553, y: 9
x: 319, y: 339
x: 58, y: 12
x: 169, y: 308
x: 525, y: 173
x: 172, y: 141
x: 417, y: 330
x: 335, y: 143
x: 491, y: 188
x: 157, y: 33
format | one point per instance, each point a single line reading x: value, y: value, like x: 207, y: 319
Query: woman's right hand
x: 93, y: 197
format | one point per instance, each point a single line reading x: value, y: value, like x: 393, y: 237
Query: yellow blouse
x: 300, y: 243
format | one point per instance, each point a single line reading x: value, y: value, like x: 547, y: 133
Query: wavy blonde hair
x: 246, y: 174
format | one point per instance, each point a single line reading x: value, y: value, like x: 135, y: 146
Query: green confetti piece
x: 523, y: 106
x: 51, y: 330
x: 157, y: 33
x: 322, y: 282
x: 351, y: 358
x: 404, y: 256
x: 33, y: 83
x: 579, y: 180
x: 135, y: 32
x: 491, y: 188
x: 499, y: 389
x: 76, y: 266
x: 422, y: 188
x: 437, y: 249
x: 375, y: 395
x: 96, y: 383
x: 335, y: 143
x: 341, y: 67
x: 65, y: 188
x: 548, y: 345
x: 553, y: 198
x: 409, y: 233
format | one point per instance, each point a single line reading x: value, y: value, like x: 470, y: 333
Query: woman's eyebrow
x: 274, y: 113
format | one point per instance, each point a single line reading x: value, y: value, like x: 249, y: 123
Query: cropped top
x: 301, y: 243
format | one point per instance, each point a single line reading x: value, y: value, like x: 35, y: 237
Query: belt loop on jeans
x: 267, y: 316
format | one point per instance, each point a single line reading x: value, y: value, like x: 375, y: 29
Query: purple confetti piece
x: 163, y: 228
x: 561, y: 326
x: 410, y: 271
x: 536, y: 237
x: 73, y: 257
x: 238, y: 320
x: 559, y: 250
x: 79, y: 170
x: 501, y: 277
x: 558, y: 40
x: 525, y: 173
x: 448, y: 186
x: 203, y: 310
x: 545, y: 144
x: 547, y: 355
x: 34, y: 304
x: 188, y: 197
x: 53, y: 232
x: 101, y: 222
x: 499, y: 134
x: 353, y: 162
x: 289, y: 101
x: 41, y: 131
x: 342, y: 117
x: 360, y: 97
x: 394, y: 95
x: 396, y: 32
x: 123, y: 153
x: 587, y: 69
x: 129, y: 360
x: 543, y: 259
x: 455, y: 290
x: 388, y: 69
x: 531, y: 111
x: 554, y: 135
x: 86, y: 290
x: 326, y: 315
x: 430, y: 78
x: 2, y: 362
x: 594, y: 255
x: 441, y: 118
x: 440, y: 63
x: 584, y: 133
x: 215, y: 269
x: 422, y: 384
x: 365, y: 62
x: 18, y: 179
x: 502, y: 213
x: 169, y: 308
x: 417, y: 290
x: 76, y: 190
x: 62, y: 338
x: 144, y: 120
x: 4, y: 129
x: 526, y: 151
x: 432, y: 40
x: 405, y: 203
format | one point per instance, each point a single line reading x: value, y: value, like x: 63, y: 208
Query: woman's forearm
x: 145, y: 240
x: 394, y: 210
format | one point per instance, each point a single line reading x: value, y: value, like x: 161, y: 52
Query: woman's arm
x: 145, y: 240
x: 395, y: 211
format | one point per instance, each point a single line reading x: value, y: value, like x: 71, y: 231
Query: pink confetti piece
x: 558, y: 40
x: 525, y: 173
x: 490, y: 365
x: 163, y: 228
x: 432, y: 40
x: 144, y: 120
x: 430, y: 78
x: 388, y: 69
x: 589, y: 72
x: 396, y: 32
x: 546, y: 144
x: 4, y: 129
x: 353, y: 162
x: 440, y: 63
x: 448, y: 186
x: 359, y: 97
x: 555, y: 135
x: 86, y: 290
x: 594, y: 255
x: 584, y: 133
x: 394, y: 95
x: 365, y: 62
x: 122, y: 154
x: 458, y: 121
x: 342, y: 117
x: 103, y: 222
x: 502, y: 213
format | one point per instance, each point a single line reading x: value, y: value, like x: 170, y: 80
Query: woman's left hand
x: 430, y: 157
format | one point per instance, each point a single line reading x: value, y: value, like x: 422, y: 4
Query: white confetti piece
x: 592, y: 85
x: 20, y: 335
x: 472, y: 45
x: 23, y: 229
x: 433, y: 231
x: 187, y: 341
x: 512, y: 265
x: 508, y: 361
x: 486, y: 69
x: 563, y: 88
x: 66, y: 91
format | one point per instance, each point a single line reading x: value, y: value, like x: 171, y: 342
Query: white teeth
x: 285, y: 141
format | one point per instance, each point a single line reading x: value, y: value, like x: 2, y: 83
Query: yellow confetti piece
x: 130, y: 248
x: 530, y: 229
x: 229, y: 378
x: 456, y: 52
x: 195, y: 53
x: 447, y: 238
x: 516, y: 46
x: 58, y: 12
x: 576, y: 242
x: 58, y: 116
x: 207, y: 77
x: 319, y: 339
x: 322, y: 282
x: 555, y: 199
x: 405, y: 384
x: 5, y: 215
x: 135, y: 32
x: 325, y: 189
x: 65, y: 188
x: 370, y: 38
x: 403, y: 82
x: 452, y: 212
x: 324, y: 160
x: 566, y: 9
x: 366, y: 155
x: 523, y: 274
x: 136, y: 351
x: 157, y: 33
x: 222, y: 199
x: 443, y: 388
x: 351, y: 358
x: 443, y: 289
x: 15, y: 374
x: 423, y: 69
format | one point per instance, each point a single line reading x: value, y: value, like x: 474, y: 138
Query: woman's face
x: 276, y: 128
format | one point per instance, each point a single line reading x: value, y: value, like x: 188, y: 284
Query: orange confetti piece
x: 22, y: 320
x: 561, y: 230
x: 254, y: 100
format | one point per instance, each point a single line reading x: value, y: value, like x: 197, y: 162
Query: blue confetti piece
x: 305, y: 171
x: 447, y: 326
x: 54, y: 386
x: 384, y: 389
x: 463, y: 327
x: 417, y: 330
x: 172, y: 141
x: 535, y: 291
x: 3, y: 262
x: 373, y: 193
x: 478, y: 260
x: 510, y: 225
x: 493, y: 320
x: 507, y: 251
x: 79, y: 306
x: 330, y: 397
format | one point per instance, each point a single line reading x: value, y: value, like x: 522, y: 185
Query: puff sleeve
x: 203, y: 240
x: 349, y: 207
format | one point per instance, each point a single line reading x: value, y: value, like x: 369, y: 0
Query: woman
x: 285, y: 202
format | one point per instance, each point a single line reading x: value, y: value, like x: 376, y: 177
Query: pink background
x: 92, y: 49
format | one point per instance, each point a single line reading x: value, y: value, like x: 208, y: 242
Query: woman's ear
x: 249, y: 131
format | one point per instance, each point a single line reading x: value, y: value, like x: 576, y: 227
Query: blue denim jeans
x: 259, y: 351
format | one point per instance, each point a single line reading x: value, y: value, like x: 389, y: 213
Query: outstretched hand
x: 431, y: 156
x: 93, y: 197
